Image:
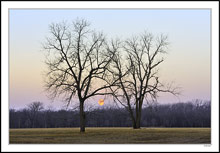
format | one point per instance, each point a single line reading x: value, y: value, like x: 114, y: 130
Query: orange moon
x: 101, y: 102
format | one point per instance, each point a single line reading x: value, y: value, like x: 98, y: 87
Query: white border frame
x: 5, y: 146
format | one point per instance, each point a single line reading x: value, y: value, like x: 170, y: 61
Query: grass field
x: 111, y: 136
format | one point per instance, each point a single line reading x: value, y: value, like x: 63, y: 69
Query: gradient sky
x: 187, y: 64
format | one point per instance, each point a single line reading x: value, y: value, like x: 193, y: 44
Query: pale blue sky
x: 188, y: 61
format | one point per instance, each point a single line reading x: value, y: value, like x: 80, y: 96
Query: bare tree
x: 137, y: 73
x: 78, y: 59
x: 33, y: 110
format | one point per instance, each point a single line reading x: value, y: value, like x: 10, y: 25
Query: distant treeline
x: 190, y: 114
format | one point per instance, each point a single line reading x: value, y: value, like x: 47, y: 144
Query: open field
x: 111, y: 136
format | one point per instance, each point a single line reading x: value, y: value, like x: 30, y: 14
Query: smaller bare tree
x: 137, y: 73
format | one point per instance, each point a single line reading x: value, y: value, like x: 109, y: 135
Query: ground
x: 111, y: 136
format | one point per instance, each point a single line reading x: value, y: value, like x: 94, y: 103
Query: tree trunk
x: 134, y: 125
x: 132, y: 116
x: 138, y: 120
x: 137, y: 113
x: 133, y: 122
x: 138, y: 116
x: 82, y: 117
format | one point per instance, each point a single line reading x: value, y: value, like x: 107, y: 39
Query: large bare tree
x: 136, y: 69
x: 78, y: 59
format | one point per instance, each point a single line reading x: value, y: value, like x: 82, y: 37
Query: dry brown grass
x: 111, y: 136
